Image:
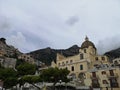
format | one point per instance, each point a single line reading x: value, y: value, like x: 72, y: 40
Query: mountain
x: 113, y: 54
x: 47, y: 55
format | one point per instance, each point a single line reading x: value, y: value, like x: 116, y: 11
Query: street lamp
x: 60, y: 81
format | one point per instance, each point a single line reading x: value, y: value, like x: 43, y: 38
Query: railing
x: 114, y: 75
x: 95, y: 85
x: 94, y: 77
x: 114, y: 84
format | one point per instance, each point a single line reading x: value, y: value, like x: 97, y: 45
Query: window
x: 71, y: 61
x: 96, y: 58
x: 113, y: 80
x: 103, y: 58
x: 81, y: 67
x: 115, y: 62
x: 105, y: 82
x: 93, y: 74
x: 103, y: 72
x: 84, y: 50
x: 63, y: 63
x: 95, y: 81
x: 59, y: 64
x: 66, y: 62
x: 111, y: 73
x: 72, y: 68
x: 81, y: 56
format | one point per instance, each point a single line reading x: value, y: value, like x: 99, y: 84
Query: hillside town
x: 87, y: 69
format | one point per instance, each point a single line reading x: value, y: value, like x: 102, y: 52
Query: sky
x: 35, y: 24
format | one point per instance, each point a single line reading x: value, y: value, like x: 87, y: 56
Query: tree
x: 26, y: 69
x: 26, y: 73
x: 9, y: 77
x: 54, y: 75
x: 19, y: 62
x: 31, y: 80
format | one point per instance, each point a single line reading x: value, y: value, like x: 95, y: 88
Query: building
x: 103, y: 77
x: 116, y: 62
x: 83, y: 65
x: 27, y: 58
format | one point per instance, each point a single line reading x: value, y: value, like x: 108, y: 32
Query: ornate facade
x: 85, y: 65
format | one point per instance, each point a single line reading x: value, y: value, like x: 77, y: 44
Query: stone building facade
x: 83, y: 66
x: 26, y: 58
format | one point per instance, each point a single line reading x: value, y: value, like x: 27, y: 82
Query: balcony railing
x: 111, y: 76
x: 94, y: 77
x: 95, y: 85
x: 114, y: 84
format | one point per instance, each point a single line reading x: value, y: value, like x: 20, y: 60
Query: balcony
x: 114, y: 84
x: 94, y: 77
x: 95, y: 85
x: 115, y: 75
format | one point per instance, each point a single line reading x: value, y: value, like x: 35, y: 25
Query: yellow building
x: 103, y: 76
x: 83, y: 65
x: 82, y: 62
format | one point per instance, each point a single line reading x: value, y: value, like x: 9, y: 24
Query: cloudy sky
x: 36, y: 24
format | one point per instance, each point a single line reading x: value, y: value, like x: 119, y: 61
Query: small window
x: 81, y: 56
x: 72, y: 68
x: 94, y: 74
x: 84, y: 50
x: 103, y: 58
x: 105, y: 82
x: 63, y: 63
x: 81, y: 67
x: 71, y: 61
x: 59, y: 64
x: 66, y: 62
x: 96, y: 58
x: 103, y: 72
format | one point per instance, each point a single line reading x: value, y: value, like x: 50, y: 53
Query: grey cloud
x: 4, y: 24
x: 108, y: 44
x: 72, y: 20
x: 59, y: 24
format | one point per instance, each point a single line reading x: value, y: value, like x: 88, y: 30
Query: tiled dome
x: 87, y: 43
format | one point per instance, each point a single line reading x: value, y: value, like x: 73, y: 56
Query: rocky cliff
x: 48, y: 54
x: 113, y: 54
x: 7, y: 50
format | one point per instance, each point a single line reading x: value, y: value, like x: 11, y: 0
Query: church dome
x: 87, y: 43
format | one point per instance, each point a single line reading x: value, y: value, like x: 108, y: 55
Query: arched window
x: 72, y: 68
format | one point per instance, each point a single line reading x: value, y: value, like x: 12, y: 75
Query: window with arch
x: 72, y: 68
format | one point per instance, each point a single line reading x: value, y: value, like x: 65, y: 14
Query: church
x: 82, y: 62
x: 86, y: 64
